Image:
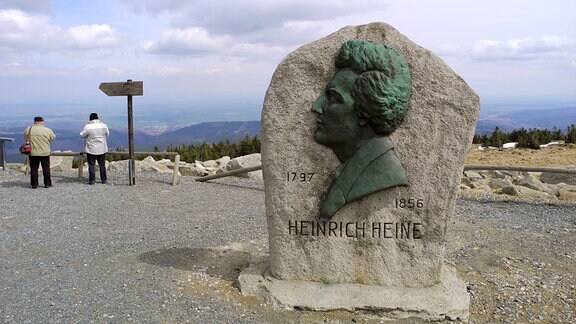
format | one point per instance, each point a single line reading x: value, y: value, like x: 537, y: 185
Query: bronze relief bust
x: 363, y: 103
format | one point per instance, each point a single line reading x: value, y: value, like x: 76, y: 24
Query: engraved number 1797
x: 299, y: 176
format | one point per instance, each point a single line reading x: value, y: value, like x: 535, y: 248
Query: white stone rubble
x: 194, y: 169
x: 531, y: 185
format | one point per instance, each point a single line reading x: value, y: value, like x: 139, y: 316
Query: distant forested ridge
x: 531, y: 138
x: 204, y: 151
x: 528, y: 118
x: 195, y: 136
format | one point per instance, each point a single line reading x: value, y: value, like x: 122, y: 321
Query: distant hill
x: 560, y: 118
x: 234, y: 131
x: 212, y: 132
x: 196, y: 134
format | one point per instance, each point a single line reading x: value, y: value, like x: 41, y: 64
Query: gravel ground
x: 154, y: 253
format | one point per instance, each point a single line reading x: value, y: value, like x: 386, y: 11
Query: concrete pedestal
x: 447, y: 300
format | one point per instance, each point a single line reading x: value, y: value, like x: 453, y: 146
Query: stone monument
x: 364, y: 137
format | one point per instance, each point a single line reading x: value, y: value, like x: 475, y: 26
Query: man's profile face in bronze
x: 337, y: 121
x: 363, y: 103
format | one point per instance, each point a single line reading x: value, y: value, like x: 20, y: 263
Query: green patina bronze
x: 364, y: 102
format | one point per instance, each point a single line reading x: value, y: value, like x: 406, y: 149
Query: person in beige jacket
x: 40, y: 138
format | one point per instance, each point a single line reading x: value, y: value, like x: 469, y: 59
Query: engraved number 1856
x: 409, y: 203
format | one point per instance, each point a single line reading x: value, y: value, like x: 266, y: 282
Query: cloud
x: 523, y: 49
x: 257, y: 21
x: 91, y: 37
x: 113, y: 70
x: 239, y: 17
x: 14, y: 65
x: 212, y: 71
x: 452, y: 50
x: 20, y: 31
x: 188, y: 41
x: 196, y: 42
x: 15, y: 69
x: 26, y: 5
x: 249, y: 29
x: 169, y: 70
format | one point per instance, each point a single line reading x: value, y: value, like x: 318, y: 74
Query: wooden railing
x: 230, y: 173
x: 175, y: 178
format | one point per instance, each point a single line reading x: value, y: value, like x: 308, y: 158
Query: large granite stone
x: 61, y: 163
x: 555, y: 178
x: 382, y: 251
x: 245, y: 161
x: 431, y: 144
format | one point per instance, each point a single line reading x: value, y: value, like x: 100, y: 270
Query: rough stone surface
x: 447, y: 300
x: 211, y: 164
x: 222, y: 162
x: 525, y: 192
x: 245, y: 161
x: 57, y: 163
x: 61, y: 163
x: 473, y: 175
x: 431, y: 144
x: 516, y: 185
x: 148, y: 164
x: 567, y: 195
x: 531, y: 182
x: 191, y: 170
x: 555, y: 178
x: 499, y: 183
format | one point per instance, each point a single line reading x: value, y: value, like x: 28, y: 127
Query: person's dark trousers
x: 92, y: 160
x: 35, y: 162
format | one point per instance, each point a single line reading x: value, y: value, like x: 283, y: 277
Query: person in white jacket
x: 95, y: 146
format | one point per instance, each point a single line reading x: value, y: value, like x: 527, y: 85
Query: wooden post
x: 132, y: 166
x: 175, y: 178
x: 81, y: 167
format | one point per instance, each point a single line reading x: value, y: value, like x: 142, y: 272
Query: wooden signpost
x: 129, y: 88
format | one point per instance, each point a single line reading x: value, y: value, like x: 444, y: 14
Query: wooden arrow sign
x: 129, y: 88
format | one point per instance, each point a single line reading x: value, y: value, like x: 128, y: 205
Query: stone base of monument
x: 447, y: 300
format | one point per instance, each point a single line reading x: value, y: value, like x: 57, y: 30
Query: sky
x: 224, y: 52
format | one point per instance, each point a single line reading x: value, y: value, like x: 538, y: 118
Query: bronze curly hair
x: 382, y: 90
